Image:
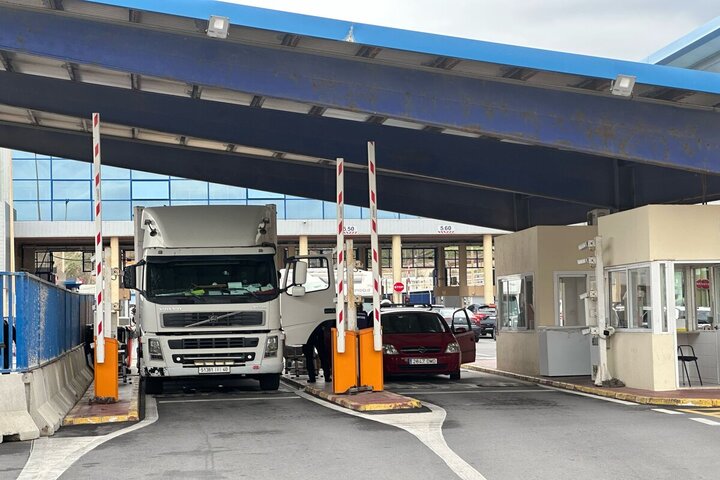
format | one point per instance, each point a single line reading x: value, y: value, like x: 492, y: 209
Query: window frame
x: 529, y: 320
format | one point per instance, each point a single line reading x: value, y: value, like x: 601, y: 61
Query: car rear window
x: 412, y: 322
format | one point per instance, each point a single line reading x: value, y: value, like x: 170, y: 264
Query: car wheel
x: 455, y: 375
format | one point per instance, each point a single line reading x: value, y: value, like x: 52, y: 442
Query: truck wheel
x: 270, y: 381
x: 455, y: 375
x: 153, y: 386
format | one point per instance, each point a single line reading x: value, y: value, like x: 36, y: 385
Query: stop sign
x: 703, y: 283
x: 398, y: 287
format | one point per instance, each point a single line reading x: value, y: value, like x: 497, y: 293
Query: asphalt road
x: 501, y: 428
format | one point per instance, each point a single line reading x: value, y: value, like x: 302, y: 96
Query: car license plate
x: 211, y: 370
x: 423, y: 361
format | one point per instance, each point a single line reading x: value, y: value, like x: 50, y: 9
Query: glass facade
x: 57, y: 189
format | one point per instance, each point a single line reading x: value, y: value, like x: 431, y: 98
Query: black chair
x: 688, y: 358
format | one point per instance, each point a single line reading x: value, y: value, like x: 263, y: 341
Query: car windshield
x: 412, y: 322
x: 211, y: 279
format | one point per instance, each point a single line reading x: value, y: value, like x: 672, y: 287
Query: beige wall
x: 643, y: 360
x: 661, y: 232
x: 518, y: 352
x: 516, y: 252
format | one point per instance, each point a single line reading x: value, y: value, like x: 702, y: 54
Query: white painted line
x: 669, y: 412
x: 706, y: 421
x: 589, y: 395
x: 51, y: 457
x: 456, y: 392
x: 425, y: 426
x: 242, y: 399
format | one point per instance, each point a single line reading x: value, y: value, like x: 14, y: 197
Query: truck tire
x: 153, y: 386
x: 270, y: 381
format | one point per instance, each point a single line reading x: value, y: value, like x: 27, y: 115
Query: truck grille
x: 194, y: 343
x: 191, y: 359
x: 239, y: 319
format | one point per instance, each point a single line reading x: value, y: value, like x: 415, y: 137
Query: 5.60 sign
x: 446, y: 229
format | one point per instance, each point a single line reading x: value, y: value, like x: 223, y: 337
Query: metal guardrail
x: 40, y: 321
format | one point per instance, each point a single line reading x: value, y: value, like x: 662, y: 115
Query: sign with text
x: 446, y: 229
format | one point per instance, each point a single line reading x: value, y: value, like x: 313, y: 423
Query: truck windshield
x: 211, y: 279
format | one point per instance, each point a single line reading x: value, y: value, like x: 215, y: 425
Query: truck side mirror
x: 297, y: 291
x: 129, y: 280
x: 300, y: 273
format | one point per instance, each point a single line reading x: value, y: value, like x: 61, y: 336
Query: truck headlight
x: 155, y: 349
x: 271, y: 346
x: 389, y: 349
x: 453, y: 347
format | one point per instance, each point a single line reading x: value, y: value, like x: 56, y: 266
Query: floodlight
x: 623, y: 85
x: 218, y: 27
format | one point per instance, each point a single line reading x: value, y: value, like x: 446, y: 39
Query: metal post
x: 340, y: 246
x: 351, y: 308
x: 372, y: 180
x: 603, y: 373
x: 100, y: 330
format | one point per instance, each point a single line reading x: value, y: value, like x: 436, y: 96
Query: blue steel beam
x: 621, y: 128
x: 534, y: 171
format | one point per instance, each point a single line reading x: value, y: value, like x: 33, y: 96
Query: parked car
x: 488, y: 326
x: 421, y: 341
x: 459, y: 316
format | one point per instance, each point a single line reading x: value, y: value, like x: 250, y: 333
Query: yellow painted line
x: 630, y: 397
x: 709, y: 412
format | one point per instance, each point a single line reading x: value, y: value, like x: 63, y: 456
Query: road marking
x: 708, y: 412
x: 589, y: 395
x: 706, y: 421
x: 456, y: 392
x: 669, y: 412
x: 245, y: 399
x: 425, y: 426
x: 50, y: 457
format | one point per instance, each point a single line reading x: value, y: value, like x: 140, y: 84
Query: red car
x: 420, y: 341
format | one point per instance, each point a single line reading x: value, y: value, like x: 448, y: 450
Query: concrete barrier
x: 53, y: 390
x: 15, y: 421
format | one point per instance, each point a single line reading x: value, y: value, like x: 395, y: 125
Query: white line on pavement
x: 425, y: 426
x: 456, y: 392
x: 50, y: 457
x: 706, y: 421
x: 669, y: 412
x: 589, y: 395
x: 244, y: 399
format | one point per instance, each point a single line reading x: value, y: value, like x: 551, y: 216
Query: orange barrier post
x: 371, y: 362
x: 344, y: 365
x: 106, y: 377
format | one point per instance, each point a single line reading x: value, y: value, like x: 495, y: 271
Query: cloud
x: 629, y: 30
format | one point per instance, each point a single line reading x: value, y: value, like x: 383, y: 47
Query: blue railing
x: 40, y: 321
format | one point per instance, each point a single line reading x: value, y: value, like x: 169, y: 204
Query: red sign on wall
x: 703, y: 283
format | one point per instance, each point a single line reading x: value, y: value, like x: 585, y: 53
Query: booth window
x: 516, y: 305
x: 629, y: 298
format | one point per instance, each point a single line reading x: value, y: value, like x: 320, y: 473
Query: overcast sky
x: 627, y: 29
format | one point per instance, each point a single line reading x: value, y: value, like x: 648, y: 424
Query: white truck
x: 210, y: 296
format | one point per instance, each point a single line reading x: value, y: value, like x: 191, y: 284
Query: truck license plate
x: 211, y: 370
x: 423, y: 361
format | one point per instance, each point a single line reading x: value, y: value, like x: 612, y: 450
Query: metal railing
x: 40, y: 321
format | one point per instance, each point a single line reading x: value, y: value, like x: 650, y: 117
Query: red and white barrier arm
x: 100, y: 330
x: 377, y: 327
x: 340, y: 319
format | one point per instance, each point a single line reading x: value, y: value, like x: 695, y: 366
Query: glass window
x: 639, y: 301
x: 228, y: 202
x: 226, y: 192
x: 188, y: 202
x: 116, y: 210
x: 115, y: 173
x: 72, y: 210
x: 188, y: 190
x: 681, y: 298
x: 516, y: 302
x: 72, y: 190
x: 115, y: 190
x: 150, y: 190
x: 617, y: 292
x: 262, y: 194
x: 32, y: 211
x: 150, y: 203
x: 31, y: 169
x: 405, y: 216
x: 280, y: 206
x: 317, y: 275
x: 139, y: 175
x: 299, y: 209
x: 71, y: 169
x: 31, y: 190
x: 663, y: 297
x: 21, y: 154
x: 570, y: 308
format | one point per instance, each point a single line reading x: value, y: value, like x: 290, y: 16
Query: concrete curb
x: 14, y: 417
x: 360, y: 402
x: 603, y: 392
